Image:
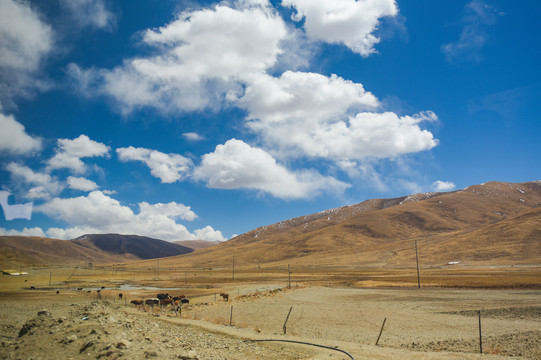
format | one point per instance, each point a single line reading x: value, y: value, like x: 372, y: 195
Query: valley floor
x: 420, y: 324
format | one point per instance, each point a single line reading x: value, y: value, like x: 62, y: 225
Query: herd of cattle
x: 166, y: 299
x: 161, y: 299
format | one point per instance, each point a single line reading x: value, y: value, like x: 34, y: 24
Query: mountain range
x: 490, y: 223
x: 94, y: 248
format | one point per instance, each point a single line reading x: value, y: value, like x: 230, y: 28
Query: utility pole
x: 417, y: 260
x: 289, y: 272
x: 233, y: 267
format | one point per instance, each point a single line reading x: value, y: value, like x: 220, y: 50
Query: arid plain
x: 342, y: 308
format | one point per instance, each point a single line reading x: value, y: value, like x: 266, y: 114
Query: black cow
x: 152, y: 302
x: 163, y: 296
x: 184, y: 301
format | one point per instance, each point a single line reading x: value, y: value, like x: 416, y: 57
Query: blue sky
x: 183, y: 119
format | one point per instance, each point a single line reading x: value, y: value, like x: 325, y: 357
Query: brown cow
x: 225, y: 296
x: 137, y: 302
x: 164, y: 302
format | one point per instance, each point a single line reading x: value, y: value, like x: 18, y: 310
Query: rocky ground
x: 102, y: 330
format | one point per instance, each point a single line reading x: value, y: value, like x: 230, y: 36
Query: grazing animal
x: 152, y: 302
x: 120, y: 296
x: 103, y: 287
x: 164, y: 302
x: 184, y: 301
x: 58, y: 291
x: 225, y: 296
x: 163, y: 296
x: 32, y: 288
x: 179, y: 297
x: 137, y: 302
x: 79, y: 289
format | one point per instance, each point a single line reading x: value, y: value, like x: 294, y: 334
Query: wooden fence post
x: 285, y: 322
x: 381, y: 331
x: 480, y: 335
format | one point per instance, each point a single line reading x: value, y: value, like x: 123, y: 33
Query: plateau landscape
x: 270, y: 179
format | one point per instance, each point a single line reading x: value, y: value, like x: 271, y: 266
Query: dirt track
x: 421, y: 324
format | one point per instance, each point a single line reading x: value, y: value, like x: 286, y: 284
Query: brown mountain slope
x: 18, y: 251
x: 455, y: 225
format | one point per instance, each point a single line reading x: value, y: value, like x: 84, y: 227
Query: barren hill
x: 98, y: 248
x: 140, y: 247
x: 492, y: 223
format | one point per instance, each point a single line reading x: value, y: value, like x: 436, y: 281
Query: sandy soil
x: 420, y: 324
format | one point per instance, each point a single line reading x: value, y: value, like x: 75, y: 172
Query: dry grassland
x: 332, y: 306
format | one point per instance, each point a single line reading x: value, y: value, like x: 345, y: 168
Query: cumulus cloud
x: 99, y: 213
x: 35, y: 231
x: 306, y: 114
x: 45, y: 185
x: 80, y: 183
x: 90, y: 13
x: 69, y: 153
x: 24, y: 42
x: 14, y: 139
x: 347, y: 22
x: 443, y: 185
x: 203, y: 55
x: 236, y: 165
x: 478, y: 18
x: 208, y: 233
x: 169, y: 168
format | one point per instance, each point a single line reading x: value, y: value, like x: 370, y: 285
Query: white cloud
x: 478, y: 17
x: 172, y: 210
x: 91, y: 13
x: 69, y: 153
x: 208, y: 233
x: 306, y: 114
x: 80, y: 183
x: 24, y: 41
x: 167, y: 167
x: 203, y: 56
x: 192, y: 136
x: 35, y: 231
x: 443, y: 185
x: 14, y: 139
x: 46, y: 185
x: 348, y: 22
x: 24, y: 38
x: 236, y: 165
x: 99, y: 213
